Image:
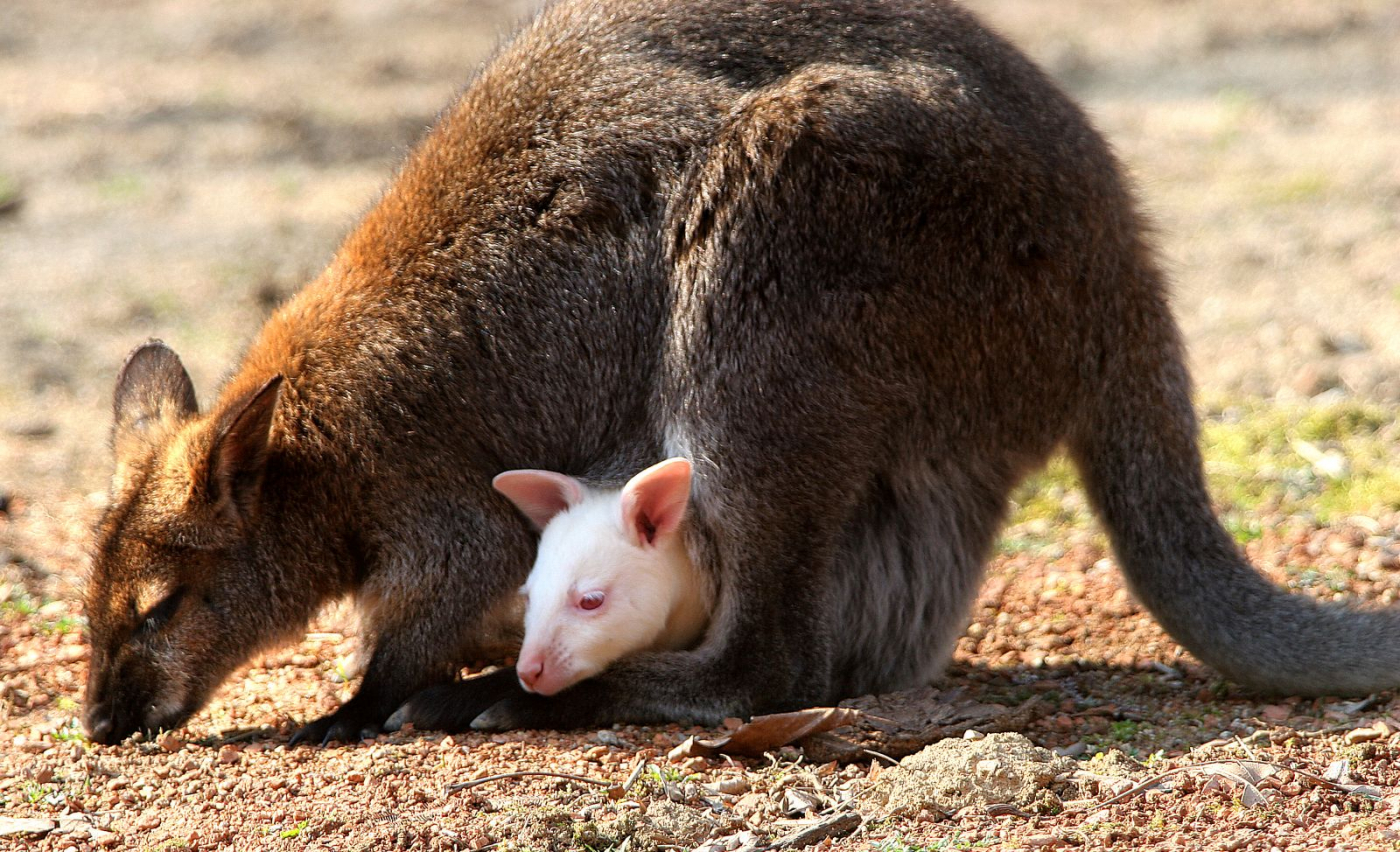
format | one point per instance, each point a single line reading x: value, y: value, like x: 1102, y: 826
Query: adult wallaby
x: 859, y: 259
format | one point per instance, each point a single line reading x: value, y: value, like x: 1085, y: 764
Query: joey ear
x: 152, y: 386
x: 238, y: 456
x: 539, y: 494
x: 654, y: 501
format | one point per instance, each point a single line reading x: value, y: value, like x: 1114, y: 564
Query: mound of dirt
x: 998, y: 769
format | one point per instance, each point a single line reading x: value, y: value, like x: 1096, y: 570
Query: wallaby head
x: 170, y: 601
x: 612, y: 576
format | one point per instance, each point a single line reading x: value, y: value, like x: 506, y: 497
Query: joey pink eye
x: 592, y: 600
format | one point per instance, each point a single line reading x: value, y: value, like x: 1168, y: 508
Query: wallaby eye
x: 592, y: 600
x: 154, y: 618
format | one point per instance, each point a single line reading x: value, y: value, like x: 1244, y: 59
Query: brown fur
x: 860, y: 259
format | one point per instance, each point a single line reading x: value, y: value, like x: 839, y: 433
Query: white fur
x: 654, y: 599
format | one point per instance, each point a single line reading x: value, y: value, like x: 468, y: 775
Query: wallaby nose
x: 530, y: 671
x: 100, y: 728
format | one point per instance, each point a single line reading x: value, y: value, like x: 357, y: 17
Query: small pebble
x: 1362, y: 735
x: 695, y: 765
x: 596, y: 753
x: 733, y: 785
x: 610, y: 738
x: 1041, y: 841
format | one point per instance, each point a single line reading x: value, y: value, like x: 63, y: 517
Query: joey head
x: 612, y: 576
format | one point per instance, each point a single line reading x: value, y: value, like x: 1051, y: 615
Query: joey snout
x: 545, y: 671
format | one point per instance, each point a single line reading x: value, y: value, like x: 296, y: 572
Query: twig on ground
x: 1322, y: 732
x: 634, y: 777
x: 834, y: 826
x: 1354, y: 789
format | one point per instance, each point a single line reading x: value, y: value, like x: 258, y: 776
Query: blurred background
x: 175, y: 168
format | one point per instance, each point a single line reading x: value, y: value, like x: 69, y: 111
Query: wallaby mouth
x: 118, y: 710
x: 109, y: 724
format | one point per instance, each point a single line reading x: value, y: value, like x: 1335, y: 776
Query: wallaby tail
x: 1137, y: 451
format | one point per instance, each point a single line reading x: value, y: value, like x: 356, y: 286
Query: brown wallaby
x: 858, y: 259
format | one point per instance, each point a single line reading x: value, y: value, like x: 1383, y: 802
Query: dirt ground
x: 172, y: 169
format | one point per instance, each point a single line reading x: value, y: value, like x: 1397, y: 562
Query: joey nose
x: 530, y: 671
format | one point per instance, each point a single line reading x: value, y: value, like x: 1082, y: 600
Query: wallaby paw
x: 335, y: 728
x: 399, y: 718
x: 451, y: 707
x: 522, y: 711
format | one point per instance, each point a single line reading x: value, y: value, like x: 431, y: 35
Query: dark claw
x: 530, y: 711
x: 312, y: 732
x: 451, y: 707
x: 339, y: 726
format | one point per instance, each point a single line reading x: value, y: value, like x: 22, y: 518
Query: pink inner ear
x: 654, y: 501
x: 539, y: 494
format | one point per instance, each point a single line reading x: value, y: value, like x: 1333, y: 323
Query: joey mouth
x: 549, y: 674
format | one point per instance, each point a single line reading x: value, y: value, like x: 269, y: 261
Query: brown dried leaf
x: 766, y: 733
x: 798, y: 802
x: 1247, y: 774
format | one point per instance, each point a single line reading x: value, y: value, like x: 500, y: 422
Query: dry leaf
x: 766, y: 733
x: 799, y: 802
x: 25, y: 827
x: 1247, y: 774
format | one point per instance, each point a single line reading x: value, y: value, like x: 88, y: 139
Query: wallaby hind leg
x: 451, y: 707
x: 910, y: 565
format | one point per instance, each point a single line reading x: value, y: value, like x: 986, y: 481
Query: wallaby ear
x: 238, y: 456
x: 152, y: 387
x: 654, y: 501
x: 539, y: 494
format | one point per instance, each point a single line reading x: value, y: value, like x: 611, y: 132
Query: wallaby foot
x: 452, y: 707
x: 351, y: 723
x: 527, y: 711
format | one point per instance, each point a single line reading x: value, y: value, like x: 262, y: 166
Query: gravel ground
x: 172, y: 168
x: 1054, y: 634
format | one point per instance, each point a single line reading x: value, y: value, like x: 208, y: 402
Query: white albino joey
x: 612, y: 575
